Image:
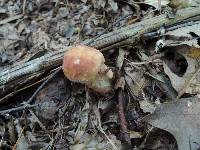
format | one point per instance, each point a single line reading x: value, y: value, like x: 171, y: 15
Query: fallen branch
x: 18, y: 75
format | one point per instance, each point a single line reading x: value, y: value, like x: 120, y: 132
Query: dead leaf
x: 186, y: 31
x: 84, y: 1
x: 147, y: 106
x: 50, y: 99
x: 178, y: 4
x: 9, y: 35
x: 155, y: 4
x: 184, y: 74
x: 182, y: 119
x: 158, y: 139
x: 136, y: 80
x: 99, y: 3
x: 186, y: 34
x: 183, y: 64
x: 113, y: 5
x: 84, y: 117
x: 92, y: 141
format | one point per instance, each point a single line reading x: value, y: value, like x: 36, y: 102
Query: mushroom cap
x: 82, y: 63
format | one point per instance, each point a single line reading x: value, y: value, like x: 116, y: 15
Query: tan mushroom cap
x: 82, y: 63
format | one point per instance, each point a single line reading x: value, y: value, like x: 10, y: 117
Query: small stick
x: 18, y: 140
x: 18, y: 108
x: 109, y: 27
x: 154, y: 34
x: 123, y: 122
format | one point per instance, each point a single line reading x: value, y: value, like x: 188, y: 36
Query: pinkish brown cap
x: 82, y: 63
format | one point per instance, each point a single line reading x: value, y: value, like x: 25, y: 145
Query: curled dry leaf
x: 181, y: 119
x: 188, y: 80
x: 181, y: 61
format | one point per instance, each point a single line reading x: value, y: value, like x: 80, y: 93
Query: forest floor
x: 154, y: 102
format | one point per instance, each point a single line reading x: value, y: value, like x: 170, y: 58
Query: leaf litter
x: 159, y: 86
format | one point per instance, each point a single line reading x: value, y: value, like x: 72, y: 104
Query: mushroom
x: 85, y: 65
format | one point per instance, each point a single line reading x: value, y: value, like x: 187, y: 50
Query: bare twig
x: 123, y: 122
x: 154, y: 34
x: 120, y: 86
x: 21, y: 134
x: 18, y: 108
x: 108, y: 28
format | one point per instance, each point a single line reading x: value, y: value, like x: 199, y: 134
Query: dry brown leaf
x: 184, y: 42
x: 190, y: 81
x: 182, y: 119
x: 155, y: 3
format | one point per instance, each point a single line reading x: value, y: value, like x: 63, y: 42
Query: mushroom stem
x: 101, y: 84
